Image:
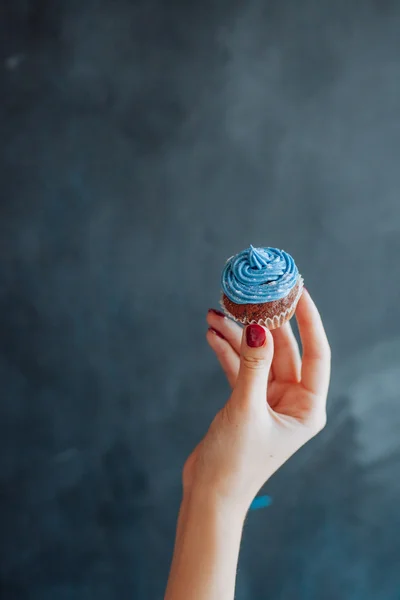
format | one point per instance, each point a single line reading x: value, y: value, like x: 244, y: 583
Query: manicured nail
x: 216, y: 332
x: 255, y: 335
x: 216, y: 312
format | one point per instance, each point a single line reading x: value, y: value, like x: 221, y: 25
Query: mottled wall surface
x: 141, y: 145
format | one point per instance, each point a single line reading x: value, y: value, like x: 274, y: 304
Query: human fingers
x: 228, y: 358
x: 315, y: 370
x: 286, y: 363
x: 229, y: 329
x: 256, y: 352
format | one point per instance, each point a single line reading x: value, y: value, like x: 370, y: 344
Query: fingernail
x: 216, y: 332
x: 255, y: 335
x: 216, y: 312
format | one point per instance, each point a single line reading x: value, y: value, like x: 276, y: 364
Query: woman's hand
x: 278, y: 403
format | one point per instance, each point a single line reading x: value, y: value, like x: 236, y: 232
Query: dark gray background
x: 142, y: 143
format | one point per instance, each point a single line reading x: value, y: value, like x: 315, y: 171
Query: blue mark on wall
x: 261, y: 502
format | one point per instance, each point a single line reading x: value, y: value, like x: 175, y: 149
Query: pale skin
x: 277, y: 404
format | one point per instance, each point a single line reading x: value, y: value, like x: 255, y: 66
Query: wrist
x: 205, y: 501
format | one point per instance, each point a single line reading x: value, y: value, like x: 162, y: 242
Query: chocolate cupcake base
x: 270, y: 314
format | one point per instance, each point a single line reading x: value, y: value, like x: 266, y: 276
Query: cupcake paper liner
x: 277, y: 320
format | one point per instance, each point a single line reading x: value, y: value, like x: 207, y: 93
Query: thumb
x: 256, y: 352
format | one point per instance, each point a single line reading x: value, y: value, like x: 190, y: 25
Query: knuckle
x: 223, y: 352
x: 322, y: 351
x: 254, y: 363
x: 319, y: 353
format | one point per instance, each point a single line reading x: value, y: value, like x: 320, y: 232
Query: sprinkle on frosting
x: 258, y: 275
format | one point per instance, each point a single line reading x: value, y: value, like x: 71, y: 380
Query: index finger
x: 316, y: 361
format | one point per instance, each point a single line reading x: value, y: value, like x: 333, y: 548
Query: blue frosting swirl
x: 259, y: 275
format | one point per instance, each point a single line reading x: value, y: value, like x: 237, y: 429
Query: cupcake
x: 261, y: 285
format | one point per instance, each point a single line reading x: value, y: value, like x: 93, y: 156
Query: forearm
x: 206, y: 550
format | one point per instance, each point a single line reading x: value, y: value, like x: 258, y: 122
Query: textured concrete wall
x: 141, y: 145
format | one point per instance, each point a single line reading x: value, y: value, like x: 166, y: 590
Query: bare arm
x: 277, y: 405
x: 206, y: 549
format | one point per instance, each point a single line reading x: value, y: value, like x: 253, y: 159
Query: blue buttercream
x: 259, y: 275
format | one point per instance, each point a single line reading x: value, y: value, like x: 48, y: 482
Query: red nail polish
x: 216, y: 332
x: 216, y: 312
x: 255, y: 335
